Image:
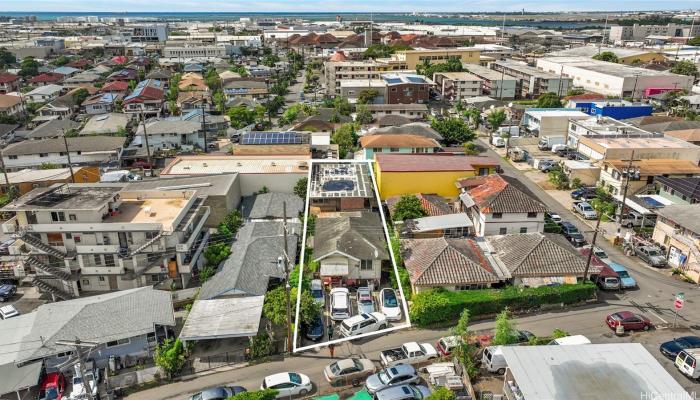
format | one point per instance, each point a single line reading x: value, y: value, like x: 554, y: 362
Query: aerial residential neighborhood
x: 398, y: 201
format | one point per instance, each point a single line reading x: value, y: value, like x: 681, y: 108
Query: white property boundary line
x: 297, y: 326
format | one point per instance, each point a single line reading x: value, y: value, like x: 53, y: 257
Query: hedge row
x: 439, y: 306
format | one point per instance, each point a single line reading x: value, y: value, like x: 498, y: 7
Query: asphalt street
x: 654, y: 298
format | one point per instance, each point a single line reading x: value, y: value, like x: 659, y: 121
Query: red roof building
x: 46, y: 79
x: 8, y: 82
x: 115, y: 87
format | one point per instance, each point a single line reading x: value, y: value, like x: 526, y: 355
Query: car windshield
x: 294, y: 378
x: 77, y: 380
x: 653, y: 253
x: 51, y: 393
x: 586, y: 207
x: 623, y: 274
x: 335, y: 369
x: 572, y: 229
x: 390, y: 299
x: 383, y: 376
x: 600, y: 254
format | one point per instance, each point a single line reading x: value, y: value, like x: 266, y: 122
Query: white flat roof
x: 448, y: 221
x: 210, y: 165
x: 556, y: 113
x: 223, y: 318
x: 620, y: 371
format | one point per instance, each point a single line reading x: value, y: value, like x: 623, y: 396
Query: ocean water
x: 377, y: 17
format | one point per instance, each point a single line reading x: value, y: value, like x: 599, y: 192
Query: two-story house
x: 372, y: 144
x: 8, y: 83
x: 11, y: 106
x: 350, y: 248
x: 89, y: 150
x: 147, y: 98
x: 498, y: 207
x: 101, y: 103
x: 171, y: 134
x: 678, y: 229
x: 94, y: 238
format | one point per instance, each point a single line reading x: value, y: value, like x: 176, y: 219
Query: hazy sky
x: 339, y: 5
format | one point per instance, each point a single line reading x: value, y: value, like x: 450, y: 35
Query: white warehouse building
x: 612, y: 79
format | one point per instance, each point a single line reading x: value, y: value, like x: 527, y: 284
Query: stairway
x: 139, y: 249
x: 44, y: 286
x: 38, y: 244
x: 48, y: 269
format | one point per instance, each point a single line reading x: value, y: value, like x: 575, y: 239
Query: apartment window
x: 105, y: 239
x: 119, y: 342
x: 502, y: 231
x: 63, y: 153
x: 470, y: 287
x: 12, y: 157
x: 58, y: 216
x: 72, y: 217
x: 394, y: 149
x: 101, y: 278
x: 523, y: 230
x: 97, y: 259
x: 483, y: 171
x: 69, y: 236
x: 76, y: 238
x: 43, y: 154
x: 497, y: 215
x: 365, y: 265
x: 109, y: 260
x: 86, y: 282
x: 155, y: 278
x: 532, y: 215
x: 151, y: 235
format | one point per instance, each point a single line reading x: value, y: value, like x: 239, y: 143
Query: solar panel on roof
x: 273, y: 138
x: 393, y: 80
x: 415, y: 79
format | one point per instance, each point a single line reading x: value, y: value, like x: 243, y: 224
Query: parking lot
x: 353, y: 311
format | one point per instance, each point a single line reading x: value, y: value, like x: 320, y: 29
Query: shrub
x: 438, y: 306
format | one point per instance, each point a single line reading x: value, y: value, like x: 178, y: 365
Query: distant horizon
x: 341, y: 7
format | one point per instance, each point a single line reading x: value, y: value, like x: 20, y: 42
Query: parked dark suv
x: 584, y: 193
x: 7, y: 291
x: 572, y: 234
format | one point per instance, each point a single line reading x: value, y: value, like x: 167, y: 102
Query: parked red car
x: 52, y: 386
x: 629, y: 320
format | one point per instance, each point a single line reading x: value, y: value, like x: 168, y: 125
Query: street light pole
x: 590, y: 253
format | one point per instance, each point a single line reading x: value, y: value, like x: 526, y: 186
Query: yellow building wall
x: 645, y: 58
x: 400, y: 183
x: 416, y: 57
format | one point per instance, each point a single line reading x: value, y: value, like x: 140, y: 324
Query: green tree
x: 471, y: 149
x: 442, y: 393
x: 346, y: 138
x: 549, y: 100
x: 474, y: 115
x: 240, y: 116
x: 694, y: 41
x: 504, y: 331
x: 684, y: 68
x: 466, y: 351
x: 205, y: 273
x: 170, y: 356
x: 266, y: 394
x: 6, y: 58
x: 216, y: 253
x: 60, y: 61
x: 453, y: 130
x: 408, y: 207
x: 367, y: 96
x: 261, y: 346
x: 428, y: 69
x: 290, y: 115
x: 608, y: 56
x: 575, y: 92
x: 275, y: 306
x: 29, y: 67
x: 496, y: 118
x: 269, y: 60
x: 363, y: 115
x: 558, y: 178
x: 301, y: 186
x: 79, y: 96
x: 212, y: 80
x: 7, y: 119
x: 342, y: 105
x: 239, y: 69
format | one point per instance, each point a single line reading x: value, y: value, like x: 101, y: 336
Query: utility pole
x: 204, y: 125
x: 145, y: 137
x: 287, y: 287
x: 590, y: 254
x: 626, y: 175
x: 79, y: 345
x: 70, y: 164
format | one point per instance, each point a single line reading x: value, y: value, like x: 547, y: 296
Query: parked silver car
x: 403, y: 392
x: 399, y: 374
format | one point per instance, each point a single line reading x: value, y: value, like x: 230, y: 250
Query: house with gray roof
x: 164, y: 134
x: 452, y: 264
x: 254, y: 261
x: 350, y: 247
x: 88, y: 150
x: 127, y: 324
x: 269, y: 206
x: 52, y: 129
x: 535, y: 259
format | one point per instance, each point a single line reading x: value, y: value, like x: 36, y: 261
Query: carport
x: 223, y: 318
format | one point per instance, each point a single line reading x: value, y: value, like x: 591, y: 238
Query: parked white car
x: 340, y: 304
x: 363, y: 323
x: 288, y: 384
x: 585, y: 209
x: 389, y: 304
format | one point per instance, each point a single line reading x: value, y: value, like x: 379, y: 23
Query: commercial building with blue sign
x: 617, y: 109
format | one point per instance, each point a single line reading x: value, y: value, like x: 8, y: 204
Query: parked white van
x: 340, y: 304
x: 570, y: 340
x: 363, y: 323
x: 492, y: 358
x: 687, y: 362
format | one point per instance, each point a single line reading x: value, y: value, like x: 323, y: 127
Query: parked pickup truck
x: 409, y: 353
